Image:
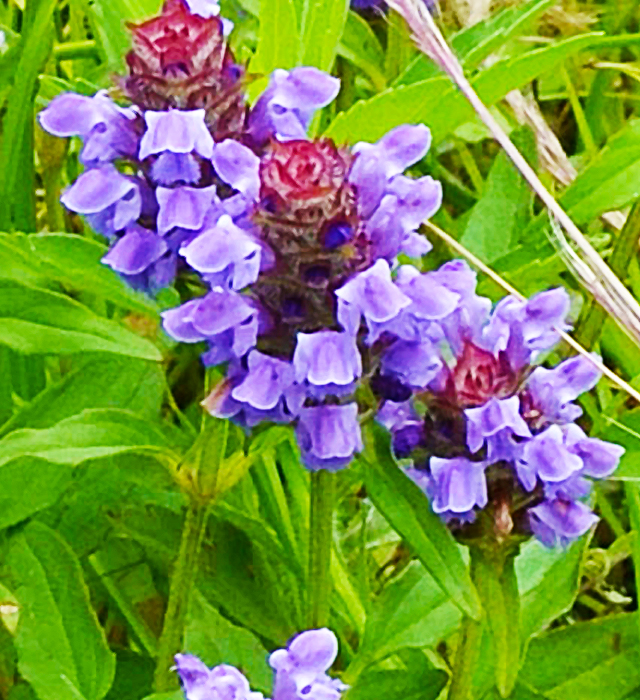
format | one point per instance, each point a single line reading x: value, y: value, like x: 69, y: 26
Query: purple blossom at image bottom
x: 300, y: 673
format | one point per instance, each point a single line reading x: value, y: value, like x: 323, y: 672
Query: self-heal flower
x: 327, y: 362
x: 559, y: 522
x: 494, y: 423
x: 328, y: 436
x: 107, y: 130
x: 225, y: 319
x: 286, y: 107
x: 301, y: 668
x: 457, y: 485
x: 222, y: 682
x: 109, y: 200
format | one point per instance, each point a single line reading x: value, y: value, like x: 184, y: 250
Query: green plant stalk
x: 624, y: 248
x: 319, y: 583
x: 632, y: 492
x: 72, y: 50
x: 466, y: 659
x: 182, y: 581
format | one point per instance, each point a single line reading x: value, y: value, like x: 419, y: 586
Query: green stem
x: 182, y: 581
x: 319, y: 587
x: 71, y: 50
x: 466, y: 660
x: 624, y: 249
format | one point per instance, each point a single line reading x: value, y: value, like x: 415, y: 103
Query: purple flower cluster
x: 291, y: 241
x: 497, y: 433
x: 300, y: 673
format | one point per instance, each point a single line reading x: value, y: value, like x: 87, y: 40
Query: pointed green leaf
x: 62, y: 650
x: 321, y: 29
x: 408, y: 512
x: 36, y: 321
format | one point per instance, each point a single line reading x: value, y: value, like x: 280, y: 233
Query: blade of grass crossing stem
x: 320, y: 548
x: 16, y: 171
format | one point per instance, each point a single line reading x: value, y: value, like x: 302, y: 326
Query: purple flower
x: 405, y: 425
x: 547, y: 457
x: 109, y: 200
x: 142, y: 258
x: 404, y: 206
x: 415, y: 364
x: 430, y: 301
x: 376, y: 164
x: 370, y: 294
x: 553, y: 390
x: 286, y: 107
x: 174, y: 138
x: 457, y: 485
x: 108, y: 131
x: 560, y: 521
x: 223, y: 318
x: 327, y: 362
x: 184, y: 207
x: 300, y: 669
x: 225, y: 255
x: 496, y: 422
x: 600, y: 458
x: 328, y: 436
x: 265, y: 391
x: 222, y: 682
x: 524, y: 328
x: 238, y: 166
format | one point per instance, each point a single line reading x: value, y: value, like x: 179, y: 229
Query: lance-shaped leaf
x: 409, y: 513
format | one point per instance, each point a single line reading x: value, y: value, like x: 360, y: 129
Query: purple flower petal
x: 238, y: 166
x: 600, y: 458
x: 547, y: 456
x: 328, y: 436
x: 225, y: 255
x: 560, y: 521
x: 176, y: 131
x: 417, y: 200
x: 415, y: 364
x: 458, y: 485
x: 496, y: 415
x: 371, y: 294
x: 265, y: 383
x: 184, y: 207
x: 97, y: 189
x: 175, y: 168
x: 327, y: 360
x: 135, y: 251
x: 431, y: 300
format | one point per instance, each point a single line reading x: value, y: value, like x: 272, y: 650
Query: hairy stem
x: 319, y: 586
x: 182, y: 580
x: 466, y: 660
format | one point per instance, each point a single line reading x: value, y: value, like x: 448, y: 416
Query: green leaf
x: 103, y: 381
x: 321, y: 29
x: 503, y: 207
x: 29, y: 485
x: 360, y: 45
x: 417, y: 679
x: 108, y: 22
x: 439, y: 104
x: 610, y: 180
x: 595, y: 660
x: 407, y: 509
x: 36, y: 321
x: 71, y: 261
x: 91, y: 434
x: 215, y: 640
x: 62, y: 651
x: 412, y: 611
x: 549, y: 581
x: 278, y: 36
x: 625, y: 431
x: 16, y: 162
x: 473, y: 44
